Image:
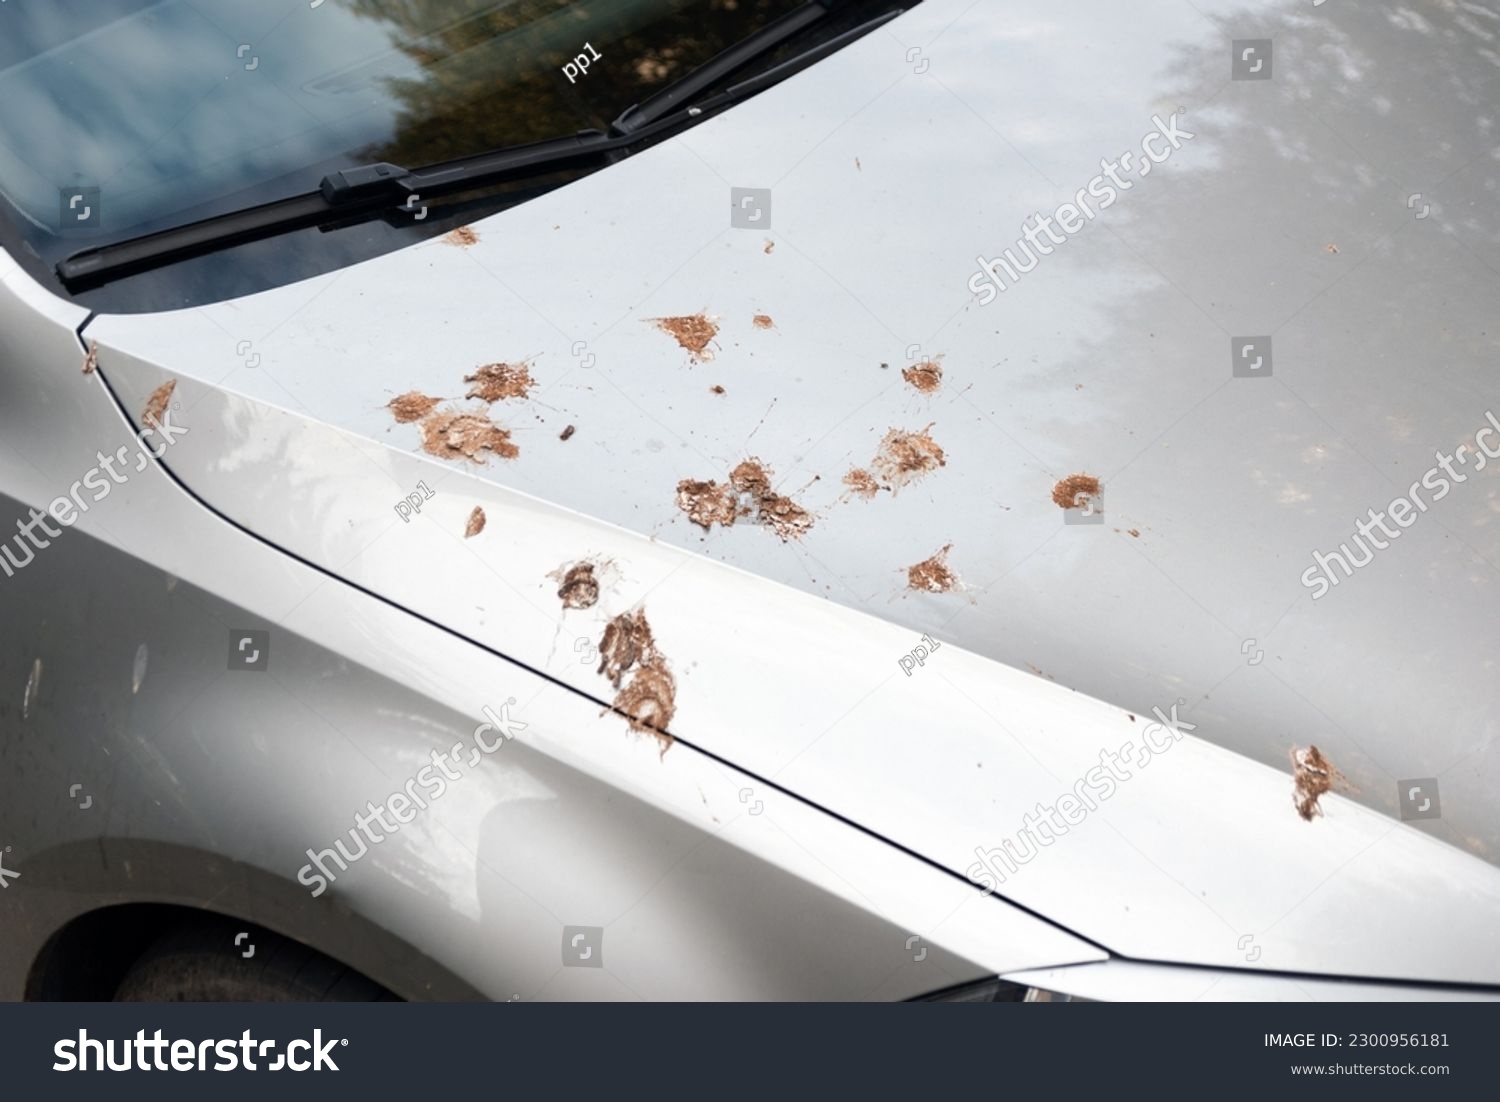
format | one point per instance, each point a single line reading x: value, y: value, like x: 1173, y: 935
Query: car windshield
x: 120, y: 117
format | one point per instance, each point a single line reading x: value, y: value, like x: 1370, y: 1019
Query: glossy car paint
x: 1111, y: 358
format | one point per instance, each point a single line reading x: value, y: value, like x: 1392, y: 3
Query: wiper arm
x: 366, y: 190
x: 349, y: 193
x: 722, y: 66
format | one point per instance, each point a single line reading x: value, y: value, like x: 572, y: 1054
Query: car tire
x: 205, y: 962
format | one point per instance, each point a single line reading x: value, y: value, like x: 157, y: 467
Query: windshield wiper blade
x: 366, y: 190
x: 348, y: 193
x: 721, y: 66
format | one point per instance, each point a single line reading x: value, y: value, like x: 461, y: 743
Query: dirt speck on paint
x: 156, y: 405
x: 716, y: 390
x: 567, y: 433
x: 862, y: 483
x: 932, y: 575
x: 448, y: 435
x: 857, y: 167
x: 1313, y: 776
x: 499, y: 381
x: 693, y: 332
x: 464, y: 236
x: 579, y: 588
x: 648, y: 698
x: 763, y: 321
x: 1070, y: 492
x: 411, y: 406
x: 91, y: 360
x: 905, y: 457
x: 1135, y: 533
x: 926, y: 376
x: 769, y: 247
x: 1330, y: 248
x: 477, y: 521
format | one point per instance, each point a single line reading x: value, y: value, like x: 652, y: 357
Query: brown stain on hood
x: 905, y: 457
x: 693, y: 332
x: 498, y: 381
x: 156, y: 405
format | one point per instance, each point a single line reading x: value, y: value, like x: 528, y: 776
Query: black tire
x: 201, y: 962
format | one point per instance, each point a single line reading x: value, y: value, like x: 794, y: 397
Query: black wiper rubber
x: 367, y: 189
x: 349, y: 192
x: 720, y: 67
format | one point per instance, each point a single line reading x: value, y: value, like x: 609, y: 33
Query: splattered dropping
x: 1072, y: 492
x: 926, y: 376
x: 411, y: 406
x: 932, y: 575
x: 692, y: 331
x: 1313, y: 776
x: 905, y: 457
x: 748, y: 492
x: 648, y: 698
x: 477, y: 521
x: 499, y: 381
x: 464, y: 236
x: 91, y: 360
x: 156, y: 405
x: 466, y: 436
x: 708, y: 503
x: 580, y: 588
x: 763, y: 321
x: 567, y: 433
x: 862, y: 483
x: 626, y: 641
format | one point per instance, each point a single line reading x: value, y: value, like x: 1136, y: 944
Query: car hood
x: 938, y: 708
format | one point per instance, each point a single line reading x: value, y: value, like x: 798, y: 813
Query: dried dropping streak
x: 1313, y: 776
x: 411, y: 406
x: 648, y: 698
x: 747, y: 492
x: 932, y: 575
x: 579, y: 589
x: 91, y: 360
x: 708, y: 503
x: 905, y: 457
x: 466, y: 436
x: 763, y: 321
x: 1072, y: 492
x: 926, y: 376
x: 692, y: 331
x: 463, y: 236
x: 156, y: 405
x: 477, y: 521
x: 862, y: 483
x: 499, y: 381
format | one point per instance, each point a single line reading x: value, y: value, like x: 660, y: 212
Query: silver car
x: 749, y: 499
